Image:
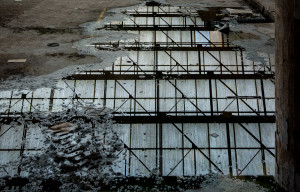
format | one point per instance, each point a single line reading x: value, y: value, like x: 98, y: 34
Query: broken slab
x: 63, y: 127
x: 244, y: 12
x: 17, y: 61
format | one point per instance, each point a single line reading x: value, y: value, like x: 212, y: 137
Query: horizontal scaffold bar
x: 110, y: 76
x: 153, y: 14
x: 192, y: 119
x: 169, y: 48
x: 158, y: 27
x: 163, y: 118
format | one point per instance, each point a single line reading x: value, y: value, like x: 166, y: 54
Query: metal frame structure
x: 176, y: 92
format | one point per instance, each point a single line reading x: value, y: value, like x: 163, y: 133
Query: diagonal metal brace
x: 253, y: 136
x: 196, y: 147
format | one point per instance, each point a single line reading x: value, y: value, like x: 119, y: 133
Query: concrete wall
x: 287, y: 96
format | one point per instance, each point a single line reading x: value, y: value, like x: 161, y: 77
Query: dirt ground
x: 28, y: 26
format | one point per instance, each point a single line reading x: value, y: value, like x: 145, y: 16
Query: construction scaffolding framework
x: 185, y: 100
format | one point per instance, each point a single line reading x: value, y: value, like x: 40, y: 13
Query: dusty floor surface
x: 28, y: 26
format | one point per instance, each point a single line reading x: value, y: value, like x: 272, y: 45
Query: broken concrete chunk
x: 225, y: 29
x: 63, y: 127
x: 115, y: 22
x: 17, y: 60
x: 244, y: 12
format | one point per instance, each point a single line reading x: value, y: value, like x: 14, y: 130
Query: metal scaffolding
x: 204, y: 106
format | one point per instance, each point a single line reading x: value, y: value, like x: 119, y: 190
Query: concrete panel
x: 145, y: 58
x: 203, y: 95
x: 146, y: 36
x: 123, y: 132
x: 181, y: 58
x: 244, y: 157
x: 202, y: 164
x: 186, y: 37
x: 128, y: 21
x: 224, y: 92
x: 211, y: 60
x: 228, y: 58
x: 147, y: 157
x: 110, y: 93
x: 177, y: 20
x: 175, y: 36
x: 270, y: 162
x: 170, y: 131
x: 268, y: 134
x: 43, y: 103
x: 247, y: 88
x: 189, y: 163
x: 202, y: 37
x: 161, y: 37
x: 18, y: 105
x: 217, y: 135
x: 244, y: 139
x: 34, y: 137
x: 65, y: 90
x: 99, y: 92
x: 4, y: 102
x: 164, y: 21
x: 248, y: 64
x: 140, y: 20
x: 193, y: 62
x: 198, y: 133
x: 166, y: 91
x: 172, y: 164
x: 216, y: 36
x: 190, y: 21
x: 199, y: 21
x: 85, y: 89
x: 8, y: 163
x: 145, y: 89
x: 121, y: 163
x: 11, y: 136
x: 220, y: 159
x: 143, y: 135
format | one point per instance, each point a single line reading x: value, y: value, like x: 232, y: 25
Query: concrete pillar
x: 287, y: 32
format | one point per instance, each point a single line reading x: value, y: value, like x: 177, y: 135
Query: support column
x: 287, y: 94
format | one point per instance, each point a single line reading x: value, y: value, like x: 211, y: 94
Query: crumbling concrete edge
x: 265, y: 11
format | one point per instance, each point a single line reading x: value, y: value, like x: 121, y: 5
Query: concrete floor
x: 28, y: 26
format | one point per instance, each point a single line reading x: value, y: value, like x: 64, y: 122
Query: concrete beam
x: 287, y: 76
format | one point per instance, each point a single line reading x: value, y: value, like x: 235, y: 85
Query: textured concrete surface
x: 28, y: 26
x: 266, y: 7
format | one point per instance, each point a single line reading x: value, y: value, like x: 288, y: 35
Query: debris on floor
x: 17, y: 61
x: 63, y: 127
